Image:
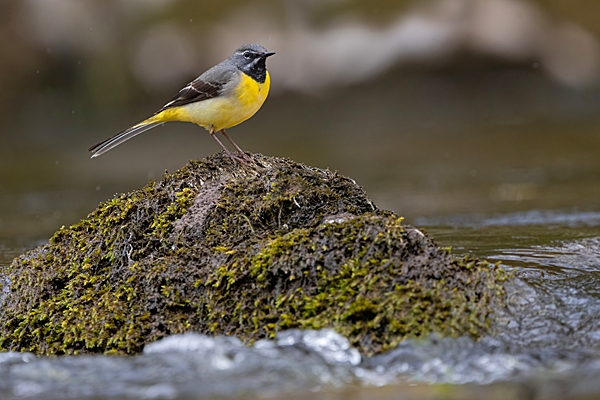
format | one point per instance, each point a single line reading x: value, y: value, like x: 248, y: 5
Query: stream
x: 545, y: 346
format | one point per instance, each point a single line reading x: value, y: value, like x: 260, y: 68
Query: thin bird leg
x: 234, y: 158
x: 242, y: 152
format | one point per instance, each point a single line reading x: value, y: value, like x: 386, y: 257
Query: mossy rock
x: 244, y: 250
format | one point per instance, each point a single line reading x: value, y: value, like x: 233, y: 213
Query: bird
x: 222, y: 97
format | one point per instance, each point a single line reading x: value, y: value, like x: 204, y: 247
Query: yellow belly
x: 222, y: 112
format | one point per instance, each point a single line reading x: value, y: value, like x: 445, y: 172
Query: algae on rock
x: 221, y: 248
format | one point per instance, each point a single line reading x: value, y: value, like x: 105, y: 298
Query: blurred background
x: 436, y: 107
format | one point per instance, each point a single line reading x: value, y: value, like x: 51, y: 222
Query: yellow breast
x: 224, y: 111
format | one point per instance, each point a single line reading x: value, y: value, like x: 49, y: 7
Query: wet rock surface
x: 243, y: 250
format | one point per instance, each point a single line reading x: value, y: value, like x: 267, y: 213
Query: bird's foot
x: 241, y: 159
x: 245, y: 156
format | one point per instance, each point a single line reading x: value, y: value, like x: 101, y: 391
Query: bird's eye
x: 247, y: 55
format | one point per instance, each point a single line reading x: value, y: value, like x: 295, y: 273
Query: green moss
x: 244, y: 250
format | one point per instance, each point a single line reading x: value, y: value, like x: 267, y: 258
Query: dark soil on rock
x: 244, y: 250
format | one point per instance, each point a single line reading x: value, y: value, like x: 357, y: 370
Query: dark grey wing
x: 196, y: 90
x: 208, y: 85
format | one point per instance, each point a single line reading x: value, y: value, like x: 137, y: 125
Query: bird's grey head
x: 251, y: 59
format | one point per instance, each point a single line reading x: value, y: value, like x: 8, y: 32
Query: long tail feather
x: 121, y: 137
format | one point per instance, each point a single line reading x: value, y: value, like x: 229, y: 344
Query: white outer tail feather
x: 119, y: 138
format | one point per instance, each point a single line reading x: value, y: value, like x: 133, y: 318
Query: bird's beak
x: 268, y: 54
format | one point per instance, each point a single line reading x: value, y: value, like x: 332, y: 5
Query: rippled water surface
x: 547, y: 346
x: 479, y: 143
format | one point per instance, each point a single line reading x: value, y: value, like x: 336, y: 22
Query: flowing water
x: 490, y: 156
x: 501, y: 165
x: 546, y: 346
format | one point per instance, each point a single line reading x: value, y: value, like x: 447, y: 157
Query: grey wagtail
x: 224, y: 96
